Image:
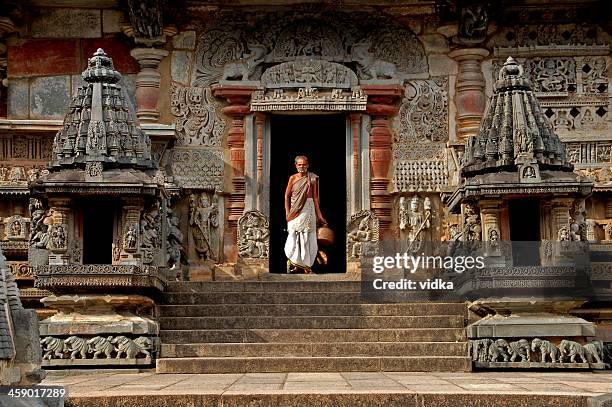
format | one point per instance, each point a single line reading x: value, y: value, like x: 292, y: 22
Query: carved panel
x: 422, y: 122
x: 235, y: 45
x: 204, y: 222
x: 545, y: 34
x: 198, y: 169
x: 308, y: 99
x: 16, y: 227
x: 253, y: 235
x: 78, y: 347
x: 309, y: 73
x: 197, y: 121
x: 428, y: 175
x: 363, y: 235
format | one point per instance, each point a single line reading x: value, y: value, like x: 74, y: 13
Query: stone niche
x: 522, y: 208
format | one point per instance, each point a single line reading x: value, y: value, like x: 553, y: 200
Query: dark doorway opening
x: 98, y: 216
x: 323, y: 140
x: 525, y: 231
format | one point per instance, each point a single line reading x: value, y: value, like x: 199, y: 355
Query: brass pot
x: 325, y: 236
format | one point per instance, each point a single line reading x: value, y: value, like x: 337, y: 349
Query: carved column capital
x: 470, y: 97
x: 147, y: 82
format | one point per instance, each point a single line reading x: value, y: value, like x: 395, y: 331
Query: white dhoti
x: 301, y: 246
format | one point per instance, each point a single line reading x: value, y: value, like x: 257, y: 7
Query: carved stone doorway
x: 322, y: 138
x: 525, y: 231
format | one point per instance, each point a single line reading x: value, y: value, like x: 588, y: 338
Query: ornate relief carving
x: 231, y: 46
x: 253, y: 235
x: 175, y: 239
x: 16, y: 227
x: 594, y: 75
x: 74, y: 347
x: 472, y: 229
x: 96, y: 275
x: 473, y: 23
x: 130, y: 239
x: 363, y: 235
x: 204, y: 222
x: 415, y: 218
x: 422, y: 121
x: 308, y: 99
x: 57, y: 241
x: 20, y: 270
x: 552, y: 74
x: 150, y: 233
x: 200, y: 169
x: 146, y: 19
x: 197, y: 122
x: 429, y: 175
x: 20, y: 175
x: 39, y: 232
x: 546, y: 34
x: 309, y: 73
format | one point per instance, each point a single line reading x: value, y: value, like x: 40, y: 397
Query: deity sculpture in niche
x: 150, y: 233
x: 414, y: 220
x: 204, y: 221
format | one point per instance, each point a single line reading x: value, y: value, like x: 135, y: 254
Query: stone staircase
x: 304, y: 326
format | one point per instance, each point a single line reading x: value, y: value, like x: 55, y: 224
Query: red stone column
x: 147, y: 82
x: 381, y: 107
x: 470, y: 97
x: 238, y: 98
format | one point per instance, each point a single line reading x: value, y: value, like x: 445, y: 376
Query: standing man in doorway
x: 302, y: 213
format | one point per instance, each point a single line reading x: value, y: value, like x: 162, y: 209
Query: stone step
x: 313, y: 335
x: 214, y: 310
x: 263, y: 286
x: 315, y: 364
x: 280, y: 297
x: 313, y: 322
x: 308, y: 349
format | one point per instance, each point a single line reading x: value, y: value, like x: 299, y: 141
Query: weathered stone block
x: 441, y: 65
x: 434, y: 43
x: 184, y: 40
x: 112, y: 20
x: 116, y: 49
x: 18, y: 99
x: 181, y: 61
x: 50, y: 97
x: 66, y: 23
x: 43, y: 57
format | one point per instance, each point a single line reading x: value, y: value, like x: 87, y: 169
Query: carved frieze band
x: 78, y: 347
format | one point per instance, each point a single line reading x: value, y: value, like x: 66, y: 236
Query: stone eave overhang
x: 516, y: 189
x: 14, y: 190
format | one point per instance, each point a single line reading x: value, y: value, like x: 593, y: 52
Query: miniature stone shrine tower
x: 521, y: 198
x: 97, y: 233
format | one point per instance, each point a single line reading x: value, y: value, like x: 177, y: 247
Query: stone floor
x: 338, y: 389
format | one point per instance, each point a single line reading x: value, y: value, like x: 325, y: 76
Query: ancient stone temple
x: 146, y: 147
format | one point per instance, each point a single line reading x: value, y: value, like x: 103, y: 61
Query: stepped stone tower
x: 99, y: 222
x: 523, y: 204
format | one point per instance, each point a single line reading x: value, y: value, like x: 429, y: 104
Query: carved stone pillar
x: 128, y: 240
x: 470, y: 97
x: 60, y: 233
x: 260, y: 120
x: 560, y: 212
x: 238, y: 98
x: 381, y: 108
x: 147, y: 82
x: 355, y: 174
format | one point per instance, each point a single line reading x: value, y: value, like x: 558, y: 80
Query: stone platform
x: 405, y: 389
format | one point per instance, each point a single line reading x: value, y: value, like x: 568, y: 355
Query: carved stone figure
x: 39, y: 233
x: 362, y: 232
x: 130, y: 238
x: 244, y: 68
x: 58, y: 237
x: 369, y: 66
x: 77, y: 346
x: 146, y: 18
x: 480, y: 349
x: 520, y: 349
x: 594, y: 351
x: 132, y: 348
x: 253, y: 235
x: 204, y: 221
x: 175, y: 240
x: 150, y: 233
x: 472, y: 229
x: 100, y: 345
x: 571, y: 350
x: 414, y: 220
x: 547, y: 349
x: 473, y: 23
x: 497, y: 349
x: 53, y: 347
